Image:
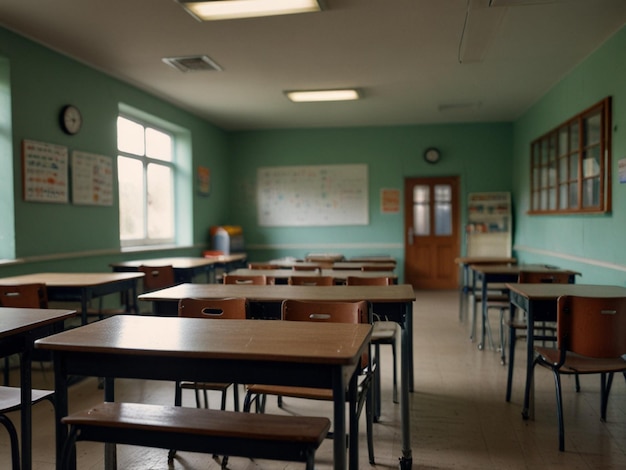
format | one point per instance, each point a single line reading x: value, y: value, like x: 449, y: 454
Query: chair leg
x: 395, y: 366
x: 606, y: 380
x: 502, y: 338
x: 369, y: 419
x: 15, y: 451
x: 377, y: 383
x: 559, y: 409
x: 512, y: 341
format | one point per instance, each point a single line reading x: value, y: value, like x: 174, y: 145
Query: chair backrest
x: 24, y: 296
x: 263, y: 266
x: 369, y: 281
x: 157, y: 277
x: 311, y: 281
x: 378, y: 267
x: 592, y: 326
x: 231, y: 308
x: 307, y: 267
x: 257, y: 280
x: 538, y: 277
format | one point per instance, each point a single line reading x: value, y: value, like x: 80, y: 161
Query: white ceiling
x: 416, y: 61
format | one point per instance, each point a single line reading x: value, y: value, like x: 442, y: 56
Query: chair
x: 20, y: 296
x: 378, y: 267
x: 519, y: 324
x: 307, y: 267
x: 23, y: 296
x: 263, y: 266
x: 323, y: 311
x: 311, y: 281
x: 11, y: 400
x: 383, y: 332
x: 233, y: 308
x: 257, y: 280
x: 591, y: 339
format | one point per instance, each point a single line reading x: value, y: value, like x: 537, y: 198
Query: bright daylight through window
x: 145, y: 169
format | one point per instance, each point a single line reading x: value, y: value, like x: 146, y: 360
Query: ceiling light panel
x: 231, y: 9
x: 322, y: 95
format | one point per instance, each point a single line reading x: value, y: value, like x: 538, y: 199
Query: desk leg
x: 60, y: 409
x: 530, y: 356
x: 463, y: 293
x: 339, y: 421
x: 353, y: 445
x: 483, y: 305
x: 512, y: 341
x: 406, y: 461
x: 26, y: 415
x: 110, y: 450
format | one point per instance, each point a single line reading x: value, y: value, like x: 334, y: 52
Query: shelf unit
x: 488, y: 231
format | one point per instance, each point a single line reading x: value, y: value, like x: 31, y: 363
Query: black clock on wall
x: 70, y: 119
x: 432, y: 155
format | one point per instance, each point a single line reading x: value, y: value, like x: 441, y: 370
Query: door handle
x: 410, y: 236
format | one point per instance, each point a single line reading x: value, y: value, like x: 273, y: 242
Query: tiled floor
x: 459, y: 418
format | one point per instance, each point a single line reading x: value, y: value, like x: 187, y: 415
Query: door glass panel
x: 421, y: 210
x: 443, y: 209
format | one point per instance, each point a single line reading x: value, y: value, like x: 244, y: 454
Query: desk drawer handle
x: 608, y: 312
x: 212, y: 312
x: 12, y: 294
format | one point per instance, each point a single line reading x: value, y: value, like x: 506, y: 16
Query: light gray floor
x: 458, y: 414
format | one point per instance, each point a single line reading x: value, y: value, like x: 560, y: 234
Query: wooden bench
x: 264, y: 436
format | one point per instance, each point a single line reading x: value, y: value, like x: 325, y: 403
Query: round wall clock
x: 432, y: 155
x: 70, y: 119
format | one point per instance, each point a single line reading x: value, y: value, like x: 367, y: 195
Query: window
x: 145, y: 171
x: 571, y: 165
x: 439, y: 208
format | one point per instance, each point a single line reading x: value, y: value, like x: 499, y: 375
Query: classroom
x: 225, y: 168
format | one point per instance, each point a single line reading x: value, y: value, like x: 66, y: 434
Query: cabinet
x: 488, y: 229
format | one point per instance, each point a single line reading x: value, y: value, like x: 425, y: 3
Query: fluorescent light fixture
x: 323, y: 95
x: 231, y: 9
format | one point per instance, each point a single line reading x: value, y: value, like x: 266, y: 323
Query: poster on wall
x: 204, y: 181
x: 44, y: 172
x: 389, y: 201
x: 92, y: 179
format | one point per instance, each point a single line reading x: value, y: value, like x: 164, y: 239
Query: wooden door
x: 432, y: 238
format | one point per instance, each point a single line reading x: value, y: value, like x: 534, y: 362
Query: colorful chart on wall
x: 92, y: 179
x: 317, y: 195
x: 44, y: 172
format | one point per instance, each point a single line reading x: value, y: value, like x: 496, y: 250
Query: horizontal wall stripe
x: 324, y: 246
x: 579, y: 259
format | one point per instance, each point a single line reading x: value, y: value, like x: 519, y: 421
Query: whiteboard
x: 312, y: 195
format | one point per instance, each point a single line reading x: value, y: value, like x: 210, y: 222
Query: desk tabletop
x: 179, y: 262
x: 553, y: 291
x: 17, y: 320
x: 278, y: 293
x: 517, y: 268
x: 464, y: 260
x: 336, y: 274
x: 70, y: 279
x: 227, y: 258
x: 254, y: 340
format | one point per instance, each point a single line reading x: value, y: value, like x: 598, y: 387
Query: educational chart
x: 312, y: 195
x: 92, y: 179
x: 44, y: 171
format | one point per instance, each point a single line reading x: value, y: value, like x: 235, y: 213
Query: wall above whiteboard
x: 318, y: 195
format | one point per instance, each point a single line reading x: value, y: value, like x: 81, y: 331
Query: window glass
x: 421, y: 210
x: 130, y: 136
x: 131, y: 195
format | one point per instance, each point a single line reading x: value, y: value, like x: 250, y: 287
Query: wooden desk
x: 396, y: 302
x: 281, y: 276
x: 319, y: 355
x: 81, y: 287
x: 539, y: 303
x: 185, y: 268
x: 467, y: 281
x: 503, y: 273
x: 19, y: 327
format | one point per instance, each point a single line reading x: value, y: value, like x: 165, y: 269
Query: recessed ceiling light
x: 323, y: 95
x: 231, y: 9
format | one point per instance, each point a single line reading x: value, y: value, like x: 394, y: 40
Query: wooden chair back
x: 231, y: 308
x: 538, y: 277
x: 24, y: 296
x: 378, y: 267
x: 592, y: 326
x: 157, y: 277
x: 257, y: 280
x: 307, y: 267
x: 310, y: 281
x: 263, y: 266
x: 369, y: 281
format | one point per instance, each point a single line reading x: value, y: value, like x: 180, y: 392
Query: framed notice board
x: 92, y: 179
x: 44, y: 172
x: 319, y: 195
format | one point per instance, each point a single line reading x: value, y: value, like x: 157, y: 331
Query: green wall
x: 479, y: 153
x: 591, y: 244
x: 66, y: 236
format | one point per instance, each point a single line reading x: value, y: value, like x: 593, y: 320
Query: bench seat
x: 266, y: 436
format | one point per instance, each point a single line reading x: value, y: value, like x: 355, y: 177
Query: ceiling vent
x: 199, y: 63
